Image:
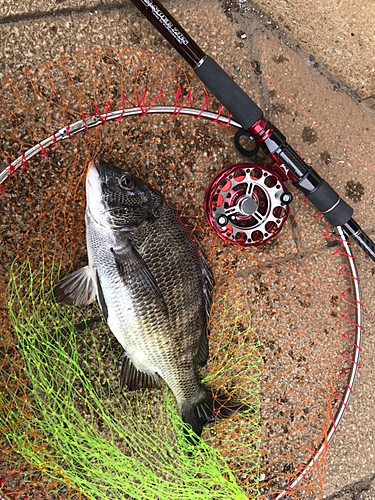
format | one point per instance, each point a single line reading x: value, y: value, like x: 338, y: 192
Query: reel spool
x: 247, y: 204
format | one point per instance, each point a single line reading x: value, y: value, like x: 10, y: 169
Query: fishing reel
x: 247, y: 204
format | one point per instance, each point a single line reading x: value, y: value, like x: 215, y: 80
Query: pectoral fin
x: 131, y: 266
x: 76, y: 289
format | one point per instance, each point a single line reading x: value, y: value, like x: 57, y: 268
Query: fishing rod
x: 243, y: 211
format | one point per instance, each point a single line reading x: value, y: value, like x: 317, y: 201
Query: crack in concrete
x: 37, y: 16
x: 355, y: 489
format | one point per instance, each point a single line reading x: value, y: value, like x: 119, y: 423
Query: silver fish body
x: 153, y: 286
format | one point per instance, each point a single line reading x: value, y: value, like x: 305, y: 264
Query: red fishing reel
x: 247, y: 204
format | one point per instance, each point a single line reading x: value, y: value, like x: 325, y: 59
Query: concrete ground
x: 321, y: 55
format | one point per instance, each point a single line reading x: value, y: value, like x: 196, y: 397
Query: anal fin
x: 135, y: 379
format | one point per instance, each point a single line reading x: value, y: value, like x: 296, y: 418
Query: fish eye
x: 126, y: 182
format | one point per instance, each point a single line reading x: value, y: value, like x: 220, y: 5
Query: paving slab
x: 363, y: 490
x: 340, y: 34
x: 239, y: 39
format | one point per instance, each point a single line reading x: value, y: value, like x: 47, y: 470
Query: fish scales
x: 164, y: 343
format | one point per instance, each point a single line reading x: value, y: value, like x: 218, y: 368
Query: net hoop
x: 79, y: 126
x: 83, y: 125
x: 332, y: 431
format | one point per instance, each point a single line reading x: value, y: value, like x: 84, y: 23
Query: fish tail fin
x: 198, y: 415
x: 212, y: 407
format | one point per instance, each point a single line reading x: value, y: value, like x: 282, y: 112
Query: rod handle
x: 240, y: 106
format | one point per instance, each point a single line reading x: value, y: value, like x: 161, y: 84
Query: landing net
x: 283, y: 323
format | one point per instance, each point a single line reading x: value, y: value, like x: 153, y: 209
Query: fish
x: 154, y: 288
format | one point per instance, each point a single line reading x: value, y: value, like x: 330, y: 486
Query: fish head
x: 119, y: 200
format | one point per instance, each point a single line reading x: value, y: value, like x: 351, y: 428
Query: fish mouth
x: 94, y: 193
x: 97, y: 170
x: 93, y: 173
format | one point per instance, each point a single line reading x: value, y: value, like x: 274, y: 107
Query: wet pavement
x: 331, y: 98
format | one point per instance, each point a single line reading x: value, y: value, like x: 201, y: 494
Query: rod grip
x: 329, y: 203
x: 316, y: 189
x: 240, y: 106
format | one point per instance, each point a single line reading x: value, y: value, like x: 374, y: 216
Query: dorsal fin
x: 208, y: 286
x: 202, y: 354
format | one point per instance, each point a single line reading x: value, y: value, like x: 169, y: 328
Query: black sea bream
x: 153, y: 286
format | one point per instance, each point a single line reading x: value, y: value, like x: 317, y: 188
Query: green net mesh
x: 113, y: 445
